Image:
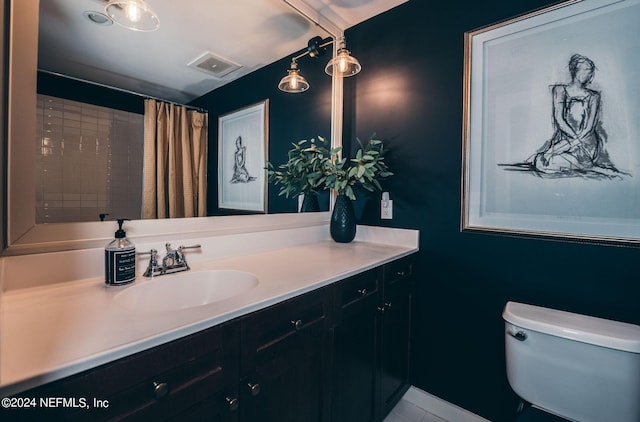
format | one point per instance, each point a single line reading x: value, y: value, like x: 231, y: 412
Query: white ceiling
x: 252, y: 33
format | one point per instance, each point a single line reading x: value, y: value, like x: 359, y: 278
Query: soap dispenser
x: 120, y: 259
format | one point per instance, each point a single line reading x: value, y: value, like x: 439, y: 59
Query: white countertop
x: 51, y: 332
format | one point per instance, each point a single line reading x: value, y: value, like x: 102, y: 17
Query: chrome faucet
x: 174, y: 261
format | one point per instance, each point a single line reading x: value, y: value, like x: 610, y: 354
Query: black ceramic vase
x: 343, y: 220
x: 310, y: 203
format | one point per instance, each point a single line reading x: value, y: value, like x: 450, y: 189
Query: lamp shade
x: 294, y: 82
x: 343, y: 64
x: 133, y: 14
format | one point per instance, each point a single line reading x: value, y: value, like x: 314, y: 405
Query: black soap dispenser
x: 120, y: 259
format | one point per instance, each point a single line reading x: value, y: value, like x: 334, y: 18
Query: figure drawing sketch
x: 577, y: 147
x: 240, y: 173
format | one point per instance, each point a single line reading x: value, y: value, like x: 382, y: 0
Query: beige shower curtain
x: 175, y: 165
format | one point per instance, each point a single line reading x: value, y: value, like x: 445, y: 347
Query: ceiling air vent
x: 214, y: 65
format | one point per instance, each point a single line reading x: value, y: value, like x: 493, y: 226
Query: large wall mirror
x: 25, y: 235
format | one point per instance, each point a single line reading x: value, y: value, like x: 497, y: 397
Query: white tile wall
x: 88, y: 161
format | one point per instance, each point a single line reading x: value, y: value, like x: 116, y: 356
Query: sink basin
x: 186, y: 290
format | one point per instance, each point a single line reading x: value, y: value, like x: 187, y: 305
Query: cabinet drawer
x: 397, y: 270
x: 272, y: 325
x: 357, y: 288
x: 160, y: 381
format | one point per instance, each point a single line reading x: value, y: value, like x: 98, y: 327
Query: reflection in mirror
x: 292, y: 118
x: 88, y: 162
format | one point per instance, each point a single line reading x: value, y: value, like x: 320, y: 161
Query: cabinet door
x: 284, y: 361
x: 396, y: 329
x: 195, y: 374
x: 355, y: 337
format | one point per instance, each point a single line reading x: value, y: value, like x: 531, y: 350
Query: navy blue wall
x: 71, y: 89
x: 410, y: 93
x: 292, y: 117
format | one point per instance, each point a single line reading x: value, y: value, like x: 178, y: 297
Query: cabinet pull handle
x: 363, y: 292
x: 297, y: 324
x: 400, y: 273
x: 232, y: 403
x: 385, y: 307
x: 254, y: 389
x: 160, y: 390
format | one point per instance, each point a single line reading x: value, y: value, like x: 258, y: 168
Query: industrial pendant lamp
x: 294, y: 82
x: 343, y: 64
x: 136, y: 15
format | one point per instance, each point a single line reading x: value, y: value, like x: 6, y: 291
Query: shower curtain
x: 175, y: 165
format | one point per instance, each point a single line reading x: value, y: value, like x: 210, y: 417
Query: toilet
x: 572, y: 367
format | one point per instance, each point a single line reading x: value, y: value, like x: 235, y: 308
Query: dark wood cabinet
x: 284, y: 360
x: 162, y: 383
x: 371, y: 342
x: 339, y: 353
x: 395, y: 332
x: 355, y: 354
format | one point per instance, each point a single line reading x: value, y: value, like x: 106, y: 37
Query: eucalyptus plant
x: 304, y: 171
x: 366, y: 169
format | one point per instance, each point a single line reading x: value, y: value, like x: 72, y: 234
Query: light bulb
x: 133, y: 12
x: 294, y: 83
x: 342, y: 65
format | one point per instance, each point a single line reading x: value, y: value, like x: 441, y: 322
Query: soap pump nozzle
x: 121, y: 233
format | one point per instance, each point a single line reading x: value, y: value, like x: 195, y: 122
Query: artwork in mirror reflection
x: 88, y: 162
x: 242, y: 154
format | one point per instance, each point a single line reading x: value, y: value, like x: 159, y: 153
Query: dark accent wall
x: 71, y: 89
x: 292, y: 117
x: 410, y: 93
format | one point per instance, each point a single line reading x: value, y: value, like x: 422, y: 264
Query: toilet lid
x: 586, y: 329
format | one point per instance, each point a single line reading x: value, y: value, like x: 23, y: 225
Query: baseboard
x: 439, y: 407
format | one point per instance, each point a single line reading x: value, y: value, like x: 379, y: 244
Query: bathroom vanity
x: 324, y: 336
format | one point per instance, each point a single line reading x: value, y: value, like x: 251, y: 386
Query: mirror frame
x: 23, y: 236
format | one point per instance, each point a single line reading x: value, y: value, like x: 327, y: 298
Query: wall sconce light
x: 294, y: 82
x: 136, y: 15
x: 344, y: 64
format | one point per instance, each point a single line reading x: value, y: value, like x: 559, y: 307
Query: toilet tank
x: 578, y: 367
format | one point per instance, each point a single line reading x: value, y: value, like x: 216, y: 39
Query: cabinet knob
x: 387, y: 305
x: 363, y: 292
x: 297, y: 323
x: 254, y: 389
x: 232, y: 403
x: 160, y: 390
x: 400, y: 273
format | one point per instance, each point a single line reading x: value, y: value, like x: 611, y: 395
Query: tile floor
x: 406, y: 411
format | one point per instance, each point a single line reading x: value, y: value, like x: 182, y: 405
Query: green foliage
x: 366, y: 169
x: 305, y: 170
x: 312, y: 167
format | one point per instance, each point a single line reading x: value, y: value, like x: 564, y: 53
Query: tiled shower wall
x: 88, y: 162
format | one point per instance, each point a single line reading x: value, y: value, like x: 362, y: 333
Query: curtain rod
x: 126, y: 91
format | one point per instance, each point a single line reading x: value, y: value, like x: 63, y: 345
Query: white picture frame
x: 242, y: 156
x: 551, y: 138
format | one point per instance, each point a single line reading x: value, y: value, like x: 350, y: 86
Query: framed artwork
x: 551, y: 135
x: 242, y: 157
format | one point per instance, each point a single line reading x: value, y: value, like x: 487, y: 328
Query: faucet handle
x: 153, y: 268
x: 189, y: 247
x: 152, y: 252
